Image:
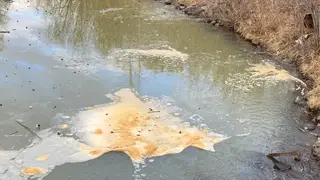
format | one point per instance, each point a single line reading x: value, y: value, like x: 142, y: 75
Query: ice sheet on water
x: 41, y: 156
x: 128, y: 125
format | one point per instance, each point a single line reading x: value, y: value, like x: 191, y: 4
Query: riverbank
x: 284, y: 29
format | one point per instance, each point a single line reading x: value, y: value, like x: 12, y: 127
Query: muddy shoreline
x: 312, y: 126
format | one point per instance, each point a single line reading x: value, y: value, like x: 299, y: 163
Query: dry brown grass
x: 278, y: 26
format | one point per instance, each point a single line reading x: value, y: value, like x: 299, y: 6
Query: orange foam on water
x: 129, y: 127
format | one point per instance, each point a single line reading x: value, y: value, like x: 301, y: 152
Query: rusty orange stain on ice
x: 42, y: 157
x: 131, y: 129
x: 33, y: 171
x: 98, y: 131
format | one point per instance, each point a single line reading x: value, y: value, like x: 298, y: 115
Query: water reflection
x: 107, y: 25
x: 3, y: 18
x: 81, y: 23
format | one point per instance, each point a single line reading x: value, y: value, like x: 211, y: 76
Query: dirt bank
x: 287, y: 29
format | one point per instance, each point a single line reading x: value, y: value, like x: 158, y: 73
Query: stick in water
x: 33, y: 133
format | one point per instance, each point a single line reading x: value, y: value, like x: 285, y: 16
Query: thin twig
x: 153, y: 111
x: 13, y: 133
x: 33, y: 133
x: 4, y: 31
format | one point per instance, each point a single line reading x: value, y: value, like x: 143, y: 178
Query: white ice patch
x: 60, y: 150
x: 165, y: 52
x: 104, y: 11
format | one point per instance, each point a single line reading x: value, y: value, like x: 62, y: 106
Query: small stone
x: 106, y: 114
x: 0, y: 104
x: 167, y: 2
x: 213, y: 22
x: 309, y: 127
x: 111, y: 132
x: 58, y: 133
x: 181, y: 7
x: 301, y: 101
x: 33, y: 90
x: 297, y: 158
x: 316, y: 148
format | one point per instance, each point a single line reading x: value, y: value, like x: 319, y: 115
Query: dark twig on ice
x: 281, y: 165
x: 33, y: 133
x: 4, y: 31
x: 13, y: 133
x: 153, y: 111
x: 293, y: 153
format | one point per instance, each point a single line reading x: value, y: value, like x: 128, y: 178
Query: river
x: 65, y: 55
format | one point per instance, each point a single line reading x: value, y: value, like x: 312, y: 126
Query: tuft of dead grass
x: 277, y: 25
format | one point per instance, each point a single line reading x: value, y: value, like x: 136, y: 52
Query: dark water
x: 64, y: 55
